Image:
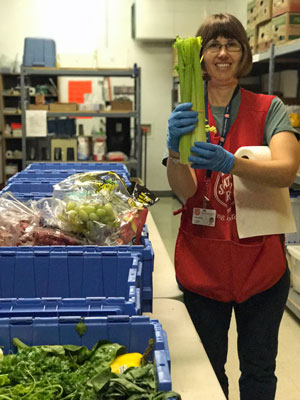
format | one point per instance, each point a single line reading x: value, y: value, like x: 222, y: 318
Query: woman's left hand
x: 212, y: 157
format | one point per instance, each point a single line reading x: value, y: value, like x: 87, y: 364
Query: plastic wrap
x: 16, y: 220
x: 98, y: 206
x: 86, y: 208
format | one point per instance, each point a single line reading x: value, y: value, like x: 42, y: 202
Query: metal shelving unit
x: 9, y: 97
x: 135, y: 73
x: 280, y: 57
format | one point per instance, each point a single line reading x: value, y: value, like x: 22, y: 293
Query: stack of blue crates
x: 52, y: 173
x: 46, y: 290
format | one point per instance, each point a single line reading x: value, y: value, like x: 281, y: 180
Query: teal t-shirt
x: 277, y: 119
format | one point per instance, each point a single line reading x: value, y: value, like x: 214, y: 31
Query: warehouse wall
x: 103, y: 27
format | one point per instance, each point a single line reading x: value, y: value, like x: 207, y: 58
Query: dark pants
x: 258, y: 321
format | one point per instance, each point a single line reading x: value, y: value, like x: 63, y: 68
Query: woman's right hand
x: 182, y: 120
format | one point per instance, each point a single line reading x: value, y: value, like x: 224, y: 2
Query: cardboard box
x: 121, y: 105
x: 264, y: 11
x: 251, y: 14
x: 286, y: 27
x: 63, y: 107
x: 264, y: 37
x: 285, y: 6
x: 252, y: 38
x: 38, y: 107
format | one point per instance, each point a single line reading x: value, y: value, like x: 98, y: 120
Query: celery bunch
x: 191, y: 89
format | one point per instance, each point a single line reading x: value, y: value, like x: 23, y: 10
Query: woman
x: 217, y: 271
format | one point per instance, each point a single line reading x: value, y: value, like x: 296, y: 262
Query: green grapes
x: 82, y: 217
x: 71, y: 205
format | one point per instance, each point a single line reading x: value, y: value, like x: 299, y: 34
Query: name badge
x: 204, y: 216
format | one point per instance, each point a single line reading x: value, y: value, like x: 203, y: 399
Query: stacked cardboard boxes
x: 285, y: 6
x: 286, y: 27
x: 268, y: 21
x: 264, y: 11
x: 259, y: 15
x: 264, y: 37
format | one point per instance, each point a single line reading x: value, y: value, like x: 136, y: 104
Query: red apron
x: 213, y: 261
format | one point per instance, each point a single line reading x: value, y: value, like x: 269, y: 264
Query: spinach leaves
x: 72, y: 372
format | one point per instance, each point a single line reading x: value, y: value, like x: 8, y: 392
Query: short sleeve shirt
x: 277, y: 119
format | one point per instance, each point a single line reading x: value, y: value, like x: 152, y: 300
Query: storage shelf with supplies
x: 134, y: 161
x: 10, y: 119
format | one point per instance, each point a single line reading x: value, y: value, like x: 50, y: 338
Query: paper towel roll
x: 260, y: 209
x: 8, y: 153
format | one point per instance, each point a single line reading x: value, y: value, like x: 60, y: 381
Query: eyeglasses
x: 231, y: 47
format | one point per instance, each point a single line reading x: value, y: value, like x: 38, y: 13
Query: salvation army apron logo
x: 223, y: 190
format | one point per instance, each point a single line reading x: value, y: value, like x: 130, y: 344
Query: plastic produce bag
x: 46, y: 236
x: 98, y: 206
x: 16, y: 220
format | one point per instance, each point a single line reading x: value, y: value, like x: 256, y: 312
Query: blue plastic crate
x: 39, y: 279
x: 146, y: 255
x: 58, y: 271
x: 145, y: 249
x: 57, y: 306
x: 29, y: 190
x: 79, y: 166
x: 39, y: 52
x: 50, y: 179
x: 133, y: 332
x: 62, y: 174
x: 52, y: 176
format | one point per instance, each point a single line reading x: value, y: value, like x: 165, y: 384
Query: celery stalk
x: 191, y: 89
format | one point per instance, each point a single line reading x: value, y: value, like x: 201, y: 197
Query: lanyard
x: 226, y: 120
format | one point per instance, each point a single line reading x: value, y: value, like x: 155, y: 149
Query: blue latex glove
x: 212, y: 157
x: 182, y: 120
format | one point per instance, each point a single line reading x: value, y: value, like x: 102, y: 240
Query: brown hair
x: 230, y: 27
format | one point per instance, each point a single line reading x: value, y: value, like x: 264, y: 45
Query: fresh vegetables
x: 121, y: 363
x: 191, y: 89
x: 74, y: 373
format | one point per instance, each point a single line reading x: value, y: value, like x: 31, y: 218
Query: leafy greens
x: 72, y: 372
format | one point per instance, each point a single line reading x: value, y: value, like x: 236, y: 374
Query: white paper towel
x: 260, y: 209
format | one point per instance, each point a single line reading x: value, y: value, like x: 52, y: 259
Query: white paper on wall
x: 36, y: 123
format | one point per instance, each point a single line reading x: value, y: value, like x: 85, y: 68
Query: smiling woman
x: 217, y: 271
x: 228, y: 27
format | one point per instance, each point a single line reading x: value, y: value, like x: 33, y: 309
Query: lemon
x: 121, y: 363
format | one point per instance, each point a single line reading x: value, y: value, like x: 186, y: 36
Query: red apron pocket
x: 256, y: 267
x: 198, y: 271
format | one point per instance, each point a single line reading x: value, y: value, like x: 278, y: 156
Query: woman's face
x: 222, y: 58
